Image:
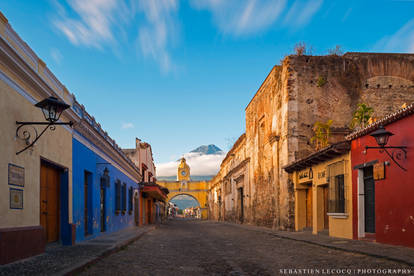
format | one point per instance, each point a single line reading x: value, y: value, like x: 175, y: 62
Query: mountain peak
x: 208, y: 149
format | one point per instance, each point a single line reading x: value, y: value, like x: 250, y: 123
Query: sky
x: 179, y: 73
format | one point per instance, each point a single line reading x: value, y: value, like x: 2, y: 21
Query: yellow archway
x: 195, y: 189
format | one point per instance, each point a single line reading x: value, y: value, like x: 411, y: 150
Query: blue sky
x: 178, y: 74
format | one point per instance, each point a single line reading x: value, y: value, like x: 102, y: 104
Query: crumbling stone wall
x: 303, y: 90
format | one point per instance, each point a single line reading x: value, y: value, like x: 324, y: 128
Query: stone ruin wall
x: 382, y: 81
x: 266, y: 144
x: 280, y: 117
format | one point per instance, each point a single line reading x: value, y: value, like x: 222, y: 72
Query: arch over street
x: 196, y: 189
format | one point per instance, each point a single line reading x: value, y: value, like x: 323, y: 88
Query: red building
x: 383, y: 192
x: 153, y: 198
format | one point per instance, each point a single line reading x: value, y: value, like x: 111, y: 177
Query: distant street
x: 189, y: 247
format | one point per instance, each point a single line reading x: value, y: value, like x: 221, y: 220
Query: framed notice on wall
x: 16, y: 175
x: 16, y: 199
x: 379, y: 171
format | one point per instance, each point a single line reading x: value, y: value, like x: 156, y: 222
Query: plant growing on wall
x: 321, y: 81
x: 337, y: 51
x: 361, y: 116
x: 322, y: 133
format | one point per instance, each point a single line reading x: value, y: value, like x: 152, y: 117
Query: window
x: 124, y: 198
x: 337, y: 188
x: 340, y: 194
x: 117, y: 196
x: 130, y: 195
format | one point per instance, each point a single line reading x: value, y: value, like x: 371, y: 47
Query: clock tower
x: 183, y: 173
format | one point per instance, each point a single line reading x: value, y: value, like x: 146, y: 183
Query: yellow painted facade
x: 195, y: 189
x: 311, y: 182
x: 17, y: 98
x: 184, y: 186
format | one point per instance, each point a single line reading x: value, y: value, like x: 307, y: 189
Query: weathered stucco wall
x: 295, y: 95
x: 54, y: 146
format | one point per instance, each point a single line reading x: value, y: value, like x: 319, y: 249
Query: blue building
x: 105, y: 181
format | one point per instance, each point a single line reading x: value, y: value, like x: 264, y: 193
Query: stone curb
x: 75, y: 269
x: 351, y: 250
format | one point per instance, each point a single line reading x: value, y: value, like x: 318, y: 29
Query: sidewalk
x: 390, y: 252
x: 62, y: 260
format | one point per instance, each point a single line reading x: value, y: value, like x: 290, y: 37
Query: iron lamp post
x: 52, y: 108
x: 382, y: 136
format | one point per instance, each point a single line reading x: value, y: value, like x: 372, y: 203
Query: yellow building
x: 36, y: 186
x: 323, y: 191
x: 184, y: 186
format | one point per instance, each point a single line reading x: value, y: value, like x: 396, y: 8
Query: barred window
x: 337, y: 187
x: 124, y: 194
x: 117, y: 196
x: 130, y: 195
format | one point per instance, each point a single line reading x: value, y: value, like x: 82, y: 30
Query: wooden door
x: 49, y: 201
x: 142, y: 210
x: 325, y: 207
x: 240, y: 204
x: 136, y: 209
x: 369, y: 200
x: 149, y: 211
x: 102, y: 209
x: 309, y: 207
x: 85, y: 207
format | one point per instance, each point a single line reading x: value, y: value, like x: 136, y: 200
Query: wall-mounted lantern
x: 52, y: 108
x: 381, y: 137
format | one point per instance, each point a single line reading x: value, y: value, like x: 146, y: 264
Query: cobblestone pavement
x: 209, y: 248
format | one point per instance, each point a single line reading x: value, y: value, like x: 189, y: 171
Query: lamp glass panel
x: 46, y: 113
x: 382, y: 140
x: 52, y: 112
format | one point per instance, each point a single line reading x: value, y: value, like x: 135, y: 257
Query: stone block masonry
x: 295, y: 95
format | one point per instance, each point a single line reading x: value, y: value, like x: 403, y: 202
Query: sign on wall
x: 379, y: 171
x: 16, y: 198
x: 16, y: 175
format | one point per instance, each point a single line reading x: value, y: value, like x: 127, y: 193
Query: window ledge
x: 338, y: 215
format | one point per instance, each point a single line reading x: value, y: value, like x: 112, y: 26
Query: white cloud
x: 94, y: 23
x: 300, y: 13
x: 200, y: 164
x: 99, y: 23
x: 56, y: 55
x: 241, y: 17
x: 157, y: 34
x: 127, y: 125
x: 401, y: 41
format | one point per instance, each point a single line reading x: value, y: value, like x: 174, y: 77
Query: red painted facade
x: 394, y: 195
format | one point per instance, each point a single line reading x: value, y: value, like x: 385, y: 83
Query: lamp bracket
x: 398, y: 153
x: 30, y: 134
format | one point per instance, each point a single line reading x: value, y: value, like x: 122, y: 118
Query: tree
x: 322, y: 133
x: 361, y: 116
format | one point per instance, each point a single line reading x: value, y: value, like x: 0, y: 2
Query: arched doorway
x: 187, y: 206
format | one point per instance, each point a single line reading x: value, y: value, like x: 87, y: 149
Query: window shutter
x: 124, y: 197
x: 118, y: 195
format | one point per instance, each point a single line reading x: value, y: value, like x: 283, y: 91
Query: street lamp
x: 52, y: 108
x: 382, y: 136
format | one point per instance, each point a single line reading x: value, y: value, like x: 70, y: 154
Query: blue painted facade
x: 89, y: 167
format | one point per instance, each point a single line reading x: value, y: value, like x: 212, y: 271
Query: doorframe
x: 361, y: 196
x: 64, y: 227
x: 361, y: 203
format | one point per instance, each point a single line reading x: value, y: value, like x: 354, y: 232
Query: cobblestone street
x: 207, y: 248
